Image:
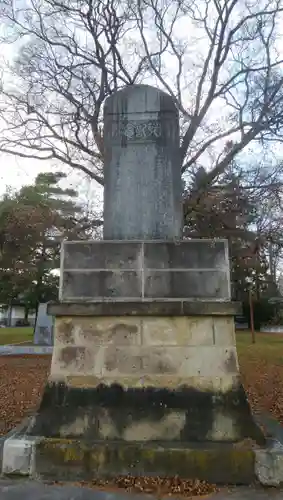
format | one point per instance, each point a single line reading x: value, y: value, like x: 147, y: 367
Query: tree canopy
x: 32, y: 223
x: 218, y: 59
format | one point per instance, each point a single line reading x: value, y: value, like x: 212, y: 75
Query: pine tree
x: 226, y: 210
x: 32, y: 223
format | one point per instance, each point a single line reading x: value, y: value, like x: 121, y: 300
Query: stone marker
x: 143, y: 189
x: 144, y: 375
x: 43, y: 333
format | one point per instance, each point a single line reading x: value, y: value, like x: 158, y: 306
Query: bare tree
x: 218, y: 59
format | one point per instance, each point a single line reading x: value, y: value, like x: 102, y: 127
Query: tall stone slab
x: 144, y: 376
x: 43, y: 332
x: 143, y: 189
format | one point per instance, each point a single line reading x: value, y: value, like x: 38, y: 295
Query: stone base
x: 145, y: 378
x: 142, y: 393
x: 61, y: 459
x: 72, y: 460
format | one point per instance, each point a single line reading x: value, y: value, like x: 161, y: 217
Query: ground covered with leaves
x: 261, y: 367
x: 22, y: 380
x: 158, y: 486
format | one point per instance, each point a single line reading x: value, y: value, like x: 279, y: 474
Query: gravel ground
x: 22, y: 379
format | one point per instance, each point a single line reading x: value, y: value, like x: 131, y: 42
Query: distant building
x: 11, y: 315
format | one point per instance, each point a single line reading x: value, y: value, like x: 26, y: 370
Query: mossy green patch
x: 62, y: 450
x: 216, y: 463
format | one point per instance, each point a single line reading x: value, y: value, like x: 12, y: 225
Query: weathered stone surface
x: 130, y: 285
x: 65, y: 459
x: 183, y: 414
x: 133, y: 270
x: 138, y: 387
x: 178, y: 360
x: 180, y: 346
x: 65, y: 331
x: 155, y: 331
x: 165, y: 308
x: 101, y: 255
x: 185, y: 362
x: 187, y: 254
x: 177, y: 331
x: 74, y: 359
x: 269, y: 466
x: 98, y: 331
x: 80, y: 285
x: 187, y: 284
x: 224, y: 331
x: 145, y: 378
x: 143, y: 189
x: 17, y: 455
x: 77, y: 357
x: 43, y: 333
x: 135, y: 255
x: 224, y: 427
x: 160, y: 381
x: 26, y: 457
x: 123, y: 360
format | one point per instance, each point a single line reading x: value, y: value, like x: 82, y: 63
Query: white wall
x: 17, y: 312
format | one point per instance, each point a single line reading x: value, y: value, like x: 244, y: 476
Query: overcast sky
x: 16, y: 171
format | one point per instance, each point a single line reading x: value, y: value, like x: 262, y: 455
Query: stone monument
x: 144, y: 376
x: 43, y: 332
x: 143, y: 189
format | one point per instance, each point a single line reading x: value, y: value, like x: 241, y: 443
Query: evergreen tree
x: 30, y: 222
x: 226, y: 210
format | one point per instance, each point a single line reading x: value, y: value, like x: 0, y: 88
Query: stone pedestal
x: 144, y: 375
x: 161, y: 374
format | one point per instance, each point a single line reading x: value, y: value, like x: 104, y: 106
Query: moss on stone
x: 219, y: 464
x: 62, y: 450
